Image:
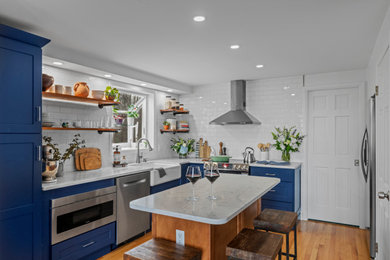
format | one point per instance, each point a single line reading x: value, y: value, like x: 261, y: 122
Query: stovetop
x: 242, y: 167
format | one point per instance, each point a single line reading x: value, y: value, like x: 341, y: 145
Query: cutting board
x: 88, y: 159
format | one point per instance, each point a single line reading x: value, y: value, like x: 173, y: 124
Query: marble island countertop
x: 234, y: 194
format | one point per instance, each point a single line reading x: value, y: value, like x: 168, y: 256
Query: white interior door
x: 382, y: 157
x: 333, y: 147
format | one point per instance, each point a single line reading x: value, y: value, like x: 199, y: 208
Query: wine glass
x: 193, y: 175
x: 212, y: 174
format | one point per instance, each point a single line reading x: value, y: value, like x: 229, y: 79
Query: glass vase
x: 60, y: 171
x: 182, y: 156
x: 286, y: 156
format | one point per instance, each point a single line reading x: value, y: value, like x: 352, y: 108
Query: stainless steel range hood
x: 238, y: 114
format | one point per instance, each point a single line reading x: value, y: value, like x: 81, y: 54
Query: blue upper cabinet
x: 20, y: 144
x: 20, y: 81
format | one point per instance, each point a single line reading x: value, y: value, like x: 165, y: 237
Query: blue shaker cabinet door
x: 21, y: 87
x: 20, y: 196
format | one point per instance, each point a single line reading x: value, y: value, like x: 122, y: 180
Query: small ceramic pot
x: 67, y: 90
x: 81, y: 89
x: 166, y: 127
x: 59, y: 89
x: 98, y: 94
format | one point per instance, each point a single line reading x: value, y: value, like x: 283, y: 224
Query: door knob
x: 382, y: 195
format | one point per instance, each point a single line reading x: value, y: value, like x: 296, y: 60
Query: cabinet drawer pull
x: 89, y: 244
x: 39, y: 113
x: 39, y: 153
x: 270, y: 174
x: 272, y: 190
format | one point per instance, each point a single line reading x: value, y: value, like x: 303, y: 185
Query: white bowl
x: 98, y: 94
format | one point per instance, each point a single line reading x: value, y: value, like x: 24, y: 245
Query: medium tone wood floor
x: 316, y: 241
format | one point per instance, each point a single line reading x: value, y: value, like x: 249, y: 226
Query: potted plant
x: 73, y: 146
x: 132, y: 112
x: 119, y: 119
x: 183, y: 147
x: 166, y: 125
x: 287, y: 140
x: 112, y: 93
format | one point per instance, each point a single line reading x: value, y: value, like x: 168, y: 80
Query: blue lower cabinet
x: 184, y: 167
x: 164, y: 186
x: 272, y: 204
x: 287, y: 194
x: 90, y: 245
x: 47, y: 249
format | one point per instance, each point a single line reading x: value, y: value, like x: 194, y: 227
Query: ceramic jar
x: 81, y: 89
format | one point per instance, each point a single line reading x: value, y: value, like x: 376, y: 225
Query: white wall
x: 70, y: 112
x: 270, y: 101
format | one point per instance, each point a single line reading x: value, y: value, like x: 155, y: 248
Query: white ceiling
x: 289, y: 37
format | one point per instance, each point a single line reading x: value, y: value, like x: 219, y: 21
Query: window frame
x: 141, y: 103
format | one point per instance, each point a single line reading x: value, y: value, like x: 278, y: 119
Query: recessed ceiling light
x: 200, y: 97
x: 213, y: 102
x: 225, y: 103
x: 286, y: 87
x: 57, y: 63
x: 292, y: 94
x: 259, y: 66
x: 234, y: 47
x: 107, y: 76
x: 143, y: 84
x: 169, y: 90
x: 199, y: 18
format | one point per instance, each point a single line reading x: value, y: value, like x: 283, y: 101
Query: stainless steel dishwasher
x: 131, y: 222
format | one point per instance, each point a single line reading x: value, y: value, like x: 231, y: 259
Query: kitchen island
x: 208, y: 225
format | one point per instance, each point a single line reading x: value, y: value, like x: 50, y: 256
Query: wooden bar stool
x: 251, y: 244
x: 161, y: 249
x: 279, y: 221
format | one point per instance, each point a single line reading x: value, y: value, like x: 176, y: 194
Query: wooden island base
x: 211, y: 239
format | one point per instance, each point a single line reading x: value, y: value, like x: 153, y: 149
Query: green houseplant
x: 166, y: 125
x: 287, y: 140
x: 112, y: 93
x: 183, y: 147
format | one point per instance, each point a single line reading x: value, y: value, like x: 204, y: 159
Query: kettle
x: 249, y: 156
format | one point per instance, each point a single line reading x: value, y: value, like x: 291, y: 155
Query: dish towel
x: 273, y: 162
x: 161, y: 172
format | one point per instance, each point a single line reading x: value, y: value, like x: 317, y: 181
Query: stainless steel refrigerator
x: 368, y: 163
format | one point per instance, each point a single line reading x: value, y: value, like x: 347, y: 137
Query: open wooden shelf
x: 100, y: 102
x: 174, y: 131
x: 174, y: 111
x: 100, y: 130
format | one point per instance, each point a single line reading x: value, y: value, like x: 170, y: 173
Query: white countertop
x: 80, y: 177
x: 234, y: 194
x: 291, y: 165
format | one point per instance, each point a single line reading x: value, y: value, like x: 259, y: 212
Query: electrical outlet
x: 180, y: 237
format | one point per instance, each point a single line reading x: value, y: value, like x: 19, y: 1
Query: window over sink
x: 132, y: 128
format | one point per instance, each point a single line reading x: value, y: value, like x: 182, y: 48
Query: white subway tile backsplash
x: 269, y: 100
